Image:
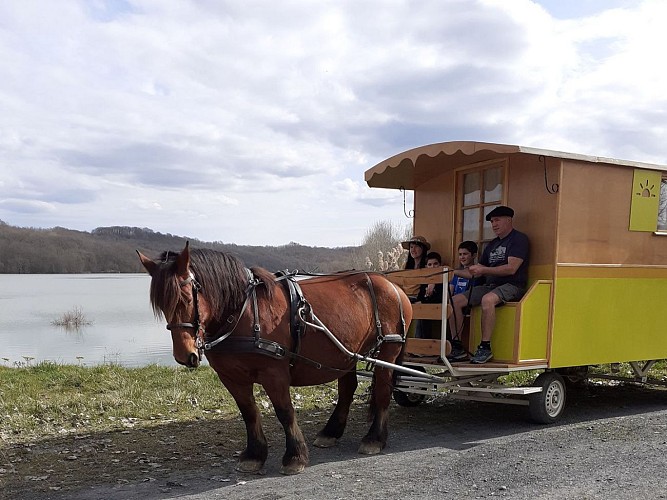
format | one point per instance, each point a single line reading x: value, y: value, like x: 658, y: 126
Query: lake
x: 123, y: 331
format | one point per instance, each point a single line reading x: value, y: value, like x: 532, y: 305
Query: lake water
x: 124, y: 330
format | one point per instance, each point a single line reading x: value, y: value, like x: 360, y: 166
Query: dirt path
x: 612, y: 443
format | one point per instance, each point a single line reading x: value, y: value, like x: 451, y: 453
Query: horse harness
x: 300, y: 309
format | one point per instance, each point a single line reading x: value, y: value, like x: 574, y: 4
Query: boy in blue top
x: 504, y: 269
x: 461, y: 281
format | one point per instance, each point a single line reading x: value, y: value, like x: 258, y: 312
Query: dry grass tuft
x: 73, y: 319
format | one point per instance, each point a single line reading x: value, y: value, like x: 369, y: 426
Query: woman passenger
x: 418, y: 247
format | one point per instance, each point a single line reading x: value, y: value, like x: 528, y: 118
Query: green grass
x: 50, y: 399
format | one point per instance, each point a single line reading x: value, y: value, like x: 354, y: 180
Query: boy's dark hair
x: 471, y: 246
x: 434, y: 255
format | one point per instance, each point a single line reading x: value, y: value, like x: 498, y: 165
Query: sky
x: 253, y: 122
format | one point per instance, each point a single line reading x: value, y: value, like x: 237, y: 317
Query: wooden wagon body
x: 598, y: 264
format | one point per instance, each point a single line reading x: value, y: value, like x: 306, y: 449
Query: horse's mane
x: 222, y: 277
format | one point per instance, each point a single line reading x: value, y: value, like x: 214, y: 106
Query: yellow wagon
x: 598, y: 265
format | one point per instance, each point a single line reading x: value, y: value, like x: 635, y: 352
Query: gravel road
x: 611, y: 443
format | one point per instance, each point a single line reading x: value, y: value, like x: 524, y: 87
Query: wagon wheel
x: 547, y: 406
x: 409, y: 399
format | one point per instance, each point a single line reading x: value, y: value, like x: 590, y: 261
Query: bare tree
x: 381, y: 248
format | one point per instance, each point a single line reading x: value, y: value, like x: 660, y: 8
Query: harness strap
x: 400, y: 308
x: 297, y: 301
x: 299, y: 308
x: 376, y: 313
x: 250, y: 291
x: 256, y: 328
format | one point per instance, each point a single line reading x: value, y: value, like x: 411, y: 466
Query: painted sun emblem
x: 646, y: 191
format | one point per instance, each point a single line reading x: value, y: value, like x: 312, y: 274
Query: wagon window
x: 481, y: 190
x: 662, y: 206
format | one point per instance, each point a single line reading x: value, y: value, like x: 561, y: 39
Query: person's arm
x: 437, y: 294
x: 463, y: 273
x: 512, y: 266
x: 421, y: 294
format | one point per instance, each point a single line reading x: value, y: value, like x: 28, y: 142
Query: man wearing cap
x: 503, y: 268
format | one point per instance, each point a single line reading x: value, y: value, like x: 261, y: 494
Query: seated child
x: 429, y: 294
x: 461, y: 281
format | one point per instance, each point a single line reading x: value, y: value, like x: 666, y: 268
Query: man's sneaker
x: 482, y: 355
x: 458, y: 353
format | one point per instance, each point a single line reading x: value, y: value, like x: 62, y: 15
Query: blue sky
x: 253, y: 122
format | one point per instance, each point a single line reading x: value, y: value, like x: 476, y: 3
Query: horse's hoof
x: 291, y: 469
x: 325, y: 441
x: 370, y: 448
x: 249, y: 466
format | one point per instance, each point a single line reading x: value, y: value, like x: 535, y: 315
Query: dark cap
x: 500, y: 211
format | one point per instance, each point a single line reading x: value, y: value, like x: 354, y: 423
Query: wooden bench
x: 521, y: 332
x: 425, y: 347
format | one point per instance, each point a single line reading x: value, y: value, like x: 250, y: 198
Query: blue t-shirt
x: 459, y: 284
x: 497, y: 252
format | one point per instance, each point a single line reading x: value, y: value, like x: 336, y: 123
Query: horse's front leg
x: 253, y: 457
x: 334, y: 428
x: 296, y: 450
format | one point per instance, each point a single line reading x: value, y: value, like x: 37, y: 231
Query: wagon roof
x: 399, y: 171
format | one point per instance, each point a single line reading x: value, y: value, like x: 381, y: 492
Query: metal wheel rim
x: 554, y: 400
x: 413, y: 397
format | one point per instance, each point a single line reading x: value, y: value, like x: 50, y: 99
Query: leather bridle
x: 195, y: 325
x: 199, y: 333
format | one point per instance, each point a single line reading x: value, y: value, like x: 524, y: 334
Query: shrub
x: 73, y: 319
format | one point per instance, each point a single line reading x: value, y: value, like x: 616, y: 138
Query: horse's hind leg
x: 253, y: 457
x: 334, y: 428
x: 376, y: 438
x: 295, y: 458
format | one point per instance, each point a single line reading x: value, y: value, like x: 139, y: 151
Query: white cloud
x: 226, y: 121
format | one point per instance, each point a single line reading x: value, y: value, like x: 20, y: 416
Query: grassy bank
x: 51, y: 400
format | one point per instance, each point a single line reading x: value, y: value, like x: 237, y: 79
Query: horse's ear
x: 148, y: 263
x: 183, y: 260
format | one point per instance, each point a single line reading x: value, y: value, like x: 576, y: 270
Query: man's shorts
x: 506, y: 293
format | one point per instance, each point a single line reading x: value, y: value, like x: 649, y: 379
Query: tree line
x: 112, y: 249
x: 60, y: 250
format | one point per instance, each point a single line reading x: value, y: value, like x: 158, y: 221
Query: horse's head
x: 175, y: 297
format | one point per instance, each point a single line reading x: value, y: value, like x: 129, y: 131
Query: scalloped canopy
x: 415, y: 166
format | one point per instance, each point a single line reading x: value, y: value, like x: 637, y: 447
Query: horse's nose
x: 193, y: 360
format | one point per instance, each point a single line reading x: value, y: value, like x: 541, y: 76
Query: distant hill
x: 112, y: 249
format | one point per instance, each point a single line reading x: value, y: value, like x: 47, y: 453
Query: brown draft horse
x: 209, y: 297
